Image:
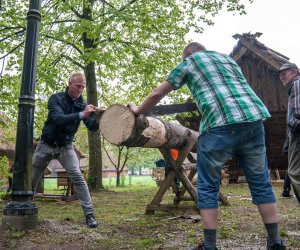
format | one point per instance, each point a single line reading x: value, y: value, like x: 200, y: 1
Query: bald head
x: 192, y: 48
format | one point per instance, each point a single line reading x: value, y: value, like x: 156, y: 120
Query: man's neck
x: 73, y: 98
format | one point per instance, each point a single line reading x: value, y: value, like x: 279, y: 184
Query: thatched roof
x: 248, y: 44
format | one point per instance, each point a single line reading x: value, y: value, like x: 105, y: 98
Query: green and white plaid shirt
x: 219, y: 89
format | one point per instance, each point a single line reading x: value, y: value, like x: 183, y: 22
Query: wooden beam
x: 261, y: 55
x: 161, y: 191
x: 240, y: 53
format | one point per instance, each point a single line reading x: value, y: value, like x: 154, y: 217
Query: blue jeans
x: 67, y: 157
x: 246, y: 142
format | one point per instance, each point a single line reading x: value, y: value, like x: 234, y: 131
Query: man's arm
x: 92, y: 118
x: 294, y: 120
x: 57, y: 114
x: 153, y: 98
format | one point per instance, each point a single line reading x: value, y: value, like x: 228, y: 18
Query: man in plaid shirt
x: 290, y: 76
x: 231, y: 125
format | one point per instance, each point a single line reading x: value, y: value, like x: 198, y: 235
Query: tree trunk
x: 118, y: 182
x: 95, y: 154
x: 120, y: 126
x: 94, y: 139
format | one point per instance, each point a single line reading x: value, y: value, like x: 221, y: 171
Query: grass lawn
x: 124, y: 225
x: 50, y: 185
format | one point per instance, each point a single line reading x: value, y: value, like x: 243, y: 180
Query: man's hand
x: 97, y: 114
x: 88, y: 110
x: 99, y: 110
x: 133, y: 108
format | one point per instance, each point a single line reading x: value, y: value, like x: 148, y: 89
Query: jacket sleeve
x: 56, y: 113
x: 91, y: 123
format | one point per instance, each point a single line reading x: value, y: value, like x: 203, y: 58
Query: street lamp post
x: 21, y: 213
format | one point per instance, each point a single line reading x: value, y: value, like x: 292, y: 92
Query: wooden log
x: 120, y: 126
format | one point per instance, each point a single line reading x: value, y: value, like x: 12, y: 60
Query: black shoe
x: 91, y: 221
x: 201, y: 246
x: 278, y: 246
x: 286, y: 195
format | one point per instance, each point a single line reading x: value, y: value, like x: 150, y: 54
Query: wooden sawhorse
x: 177, y: 170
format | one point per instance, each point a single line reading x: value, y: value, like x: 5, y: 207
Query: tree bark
x: 94, y: 139
x: 118, y: 182
x: 120, y: 126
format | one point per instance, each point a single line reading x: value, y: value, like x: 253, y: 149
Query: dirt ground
x: 123, y: 224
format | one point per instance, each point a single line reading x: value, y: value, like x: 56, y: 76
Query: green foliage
x: 7, y: 135
x: 91, y: 181
x: 124, y: 47
x: 4, y: 173
x: 143, y: 158
x: 134, y: 44
x: 123, y: 179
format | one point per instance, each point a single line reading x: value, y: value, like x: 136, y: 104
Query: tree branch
x: 11, y: 35
x: 10, y: 28
x: 73, y: 61
x: 12, y: 50
x: 105, y: 2
x: 126, y: 159
x: 108, y: 154
x: 63, y: 41
x: 65, y: 21
x: 75, y: 11
x: 125, y: 6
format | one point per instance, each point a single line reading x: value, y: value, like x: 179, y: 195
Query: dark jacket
x: 63, y: 120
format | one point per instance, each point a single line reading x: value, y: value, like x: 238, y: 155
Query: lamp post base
x: 20, y: 216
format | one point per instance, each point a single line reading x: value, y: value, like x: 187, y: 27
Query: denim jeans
x: 246, y: 142
x: 67, y: 157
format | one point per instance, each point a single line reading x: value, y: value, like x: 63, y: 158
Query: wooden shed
x: 259, y: 65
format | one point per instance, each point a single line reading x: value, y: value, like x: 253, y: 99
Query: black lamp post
x: 21, y: 213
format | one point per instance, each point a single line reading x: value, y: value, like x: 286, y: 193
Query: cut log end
x: 117, y: 124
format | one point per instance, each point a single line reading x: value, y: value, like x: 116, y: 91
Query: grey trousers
x: 294, y: 161
x: 67, y: 157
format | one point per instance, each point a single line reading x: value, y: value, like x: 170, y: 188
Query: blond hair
x: 76, y: 74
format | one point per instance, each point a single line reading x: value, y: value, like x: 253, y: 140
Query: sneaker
x: 91, y: 221
x: 201, y: 246
x: 280, y: 246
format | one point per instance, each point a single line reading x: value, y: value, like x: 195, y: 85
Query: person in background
x: 286, y: 192
x: 231, y: 125
x: 289, y: 75
x: 287, y: 181
x: 65, y: 112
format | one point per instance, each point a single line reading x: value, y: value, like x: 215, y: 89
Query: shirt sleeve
x: 297, y: 98
x: 178, y: 76
x: 294, y: 117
